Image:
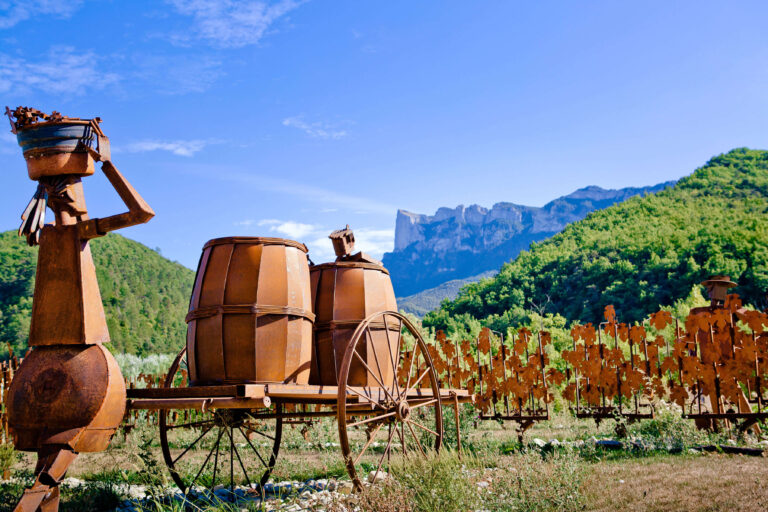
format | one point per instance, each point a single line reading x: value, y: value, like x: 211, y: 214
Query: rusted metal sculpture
x: 250, y: 316
x: 250, y: 302
x: 68, y: 395
x: 510, y: 381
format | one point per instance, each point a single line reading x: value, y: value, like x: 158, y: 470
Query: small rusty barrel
x: 250, y: 316
x: 344, y: 294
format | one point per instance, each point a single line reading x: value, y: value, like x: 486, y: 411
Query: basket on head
x: 55, y: 145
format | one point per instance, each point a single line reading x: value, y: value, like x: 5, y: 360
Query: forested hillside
x: 643, y: 253
x: 145, y: 296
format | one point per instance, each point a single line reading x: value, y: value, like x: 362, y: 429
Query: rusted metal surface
x: 250, y: 316
x: 68, y: 395
x: 56, y: 145
x: 227, y: 432
x: 417, y: 423
x: 344, y: 293
x: 72, y: 395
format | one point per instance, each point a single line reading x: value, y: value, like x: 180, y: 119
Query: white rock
x: 377, y: 477
x: 539, y: 442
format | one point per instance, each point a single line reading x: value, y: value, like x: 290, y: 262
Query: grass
x: 495, y: 473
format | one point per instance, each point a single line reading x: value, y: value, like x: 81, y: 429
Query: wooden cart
x: 400, y: 417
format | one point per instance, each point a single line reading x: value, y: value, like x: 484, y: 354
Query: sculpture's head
x: 65, y: 195
x: 718, y: 286
x: 59, y: 151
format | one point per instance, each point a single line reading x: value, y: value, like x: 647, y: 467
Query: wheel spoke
x: 422, y: 427
x: 215, y: 465
x: 424, y: 373
x: 375, y: 356
x: 190, y: 425
x: 410, y: 427
x: 360, y: 358
x: 423, y: 404
x: 410, y: 365
x: 395, y: 385
x: 231, y: 463
x: 381, y: 460
x: 255, y: 431
x: 239, y: 460
x: 253, y: 448
x: 191, y: 445
x: 369, y: 420
x: 205, y: 462
x: 372, y: 401
x: 401, y: 433
x: 368, y: 443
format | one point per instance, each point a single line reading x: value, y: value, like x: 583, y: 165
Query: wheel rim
x: 238, y: 447
x: 400, y: 411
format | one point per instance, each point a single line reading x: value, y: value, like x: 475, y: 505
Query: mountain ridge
x: 638, y: 255
x: 457, y: 243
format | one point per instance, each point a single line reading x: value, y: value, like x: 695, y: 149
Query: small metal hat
x: 721, y: 280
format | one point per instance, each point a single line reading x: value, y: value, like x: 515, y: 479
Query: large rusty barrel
x: 250, y: 316
x: 66, y: 395
x: 344, y: 294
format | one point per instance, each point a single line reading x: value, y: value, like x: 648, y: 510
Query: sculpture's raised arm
x: 138, y: 212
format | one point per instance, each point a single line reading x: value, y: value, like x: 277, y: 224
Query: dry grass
x: 567, y: 480
x: 699, y: 483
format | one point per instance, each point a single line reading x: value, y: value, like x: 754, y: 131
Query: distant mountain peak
x: 464, y: 241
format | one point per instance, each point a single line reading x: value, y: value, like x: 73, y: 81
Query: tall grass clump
x: 668, y: 430
x: 530, y: 483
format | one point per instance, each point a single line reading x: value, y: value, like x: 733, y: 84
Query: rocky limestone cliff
x: 457, y: 243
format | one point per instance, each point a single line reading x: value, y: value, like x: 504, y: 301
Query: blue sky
x: 292, y: 118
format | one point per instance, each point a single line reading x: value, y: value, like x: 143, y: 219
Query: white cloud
x: 374, y: 241
x: 63, y: 71
x: 13, y: 12
x: 178, y: 74
x: 325, y: 198
x: 231, y: 23
x: 177, y: 147
x: 294, y: 230
x: 317, y: 130
x: 369, y: 240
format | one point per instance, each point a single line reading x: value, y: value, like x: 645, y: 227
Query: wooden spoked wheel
x: 206, y: 448
x: 389, y: 399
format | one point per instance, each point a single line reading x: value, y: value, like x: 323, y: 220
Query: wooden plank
x: 190, y: 392
x: 296, y: 391
x: 199, y: 403
x: 232, y: 390
x: 376, y: 393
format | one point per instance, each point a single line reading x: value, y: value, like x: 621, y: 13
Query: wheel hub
x: 403, y: 411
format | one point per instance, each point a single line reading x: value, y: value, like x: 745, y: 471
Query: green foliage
x: 638, y: 255
x: 145, y: 296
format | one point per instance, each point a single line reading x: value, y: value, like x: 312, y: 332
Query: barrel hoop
x: 352, y: 324
x: 247, y: 309
x: 256, y: 240
x: 348, y: 264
